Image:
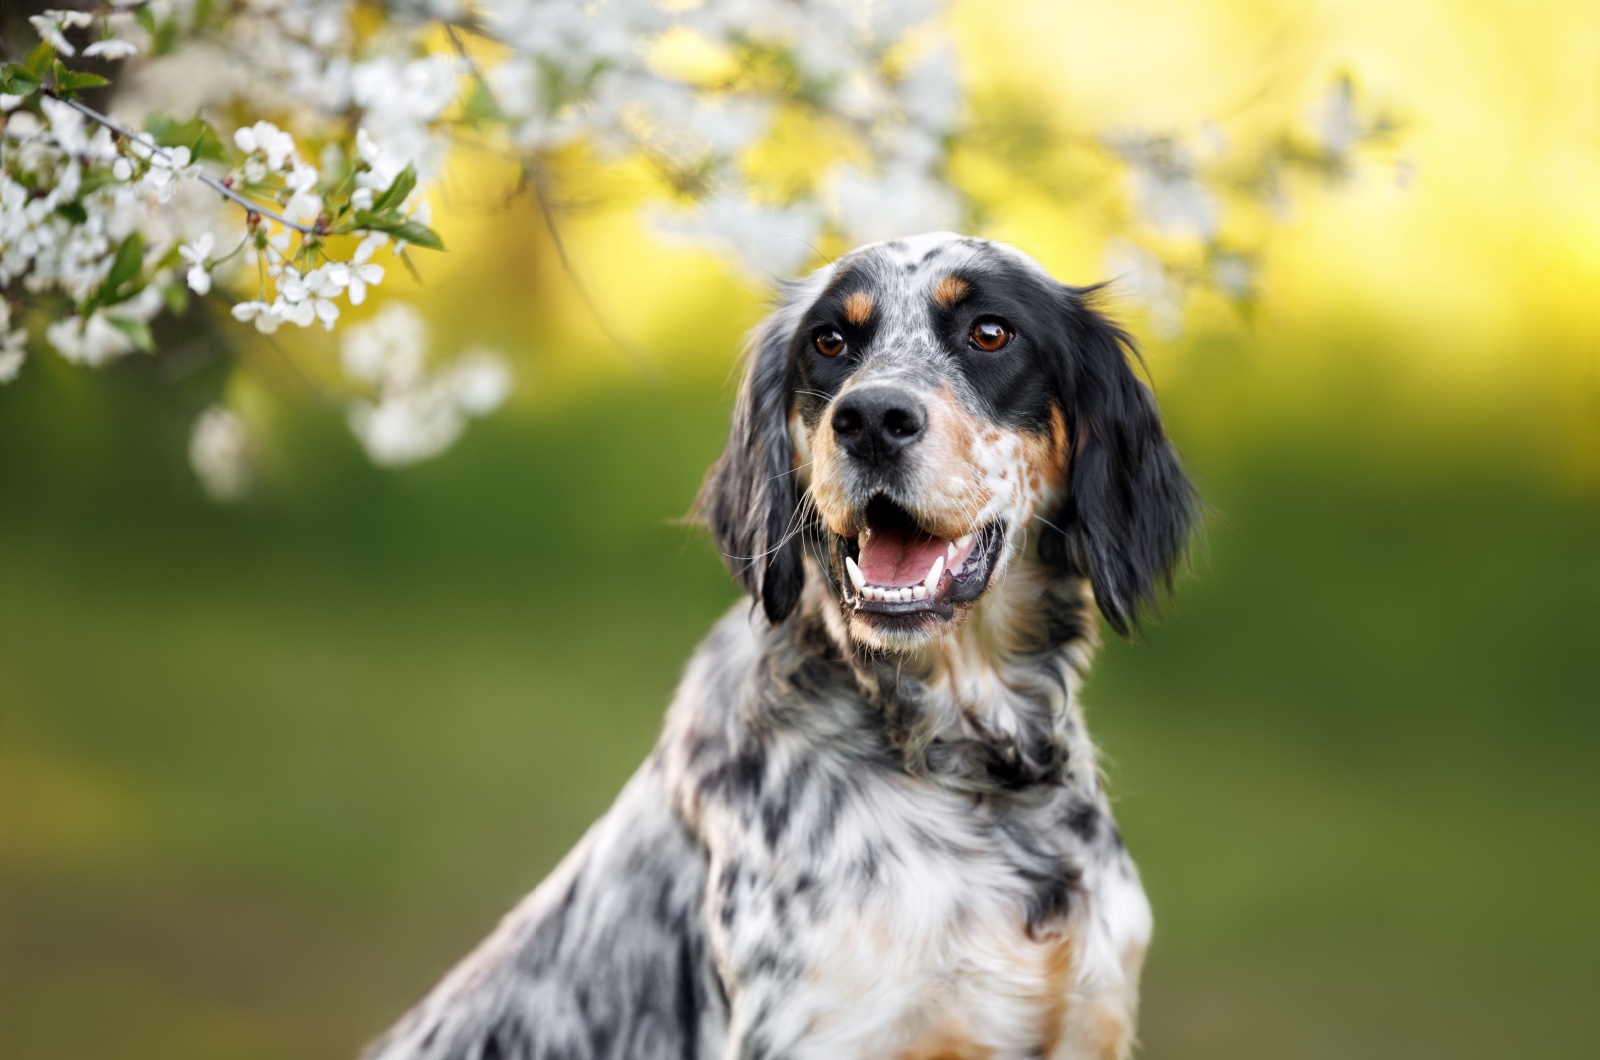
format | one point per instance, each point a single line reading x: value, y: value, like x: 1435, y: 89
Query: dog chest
x: 879, y: 915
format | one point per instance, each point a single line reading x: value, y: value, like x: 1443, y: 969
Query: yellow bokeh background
x: 1494, y: 236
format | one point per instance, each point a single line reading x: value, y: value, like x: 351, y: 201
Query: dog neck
x: 990, y: 706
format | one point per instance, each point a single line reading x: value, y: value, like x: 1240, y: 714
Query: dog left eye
x: 829, y: 343
x: 990, y: 335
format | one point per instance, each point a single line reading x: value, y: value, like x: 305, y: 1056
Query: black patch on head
x: 1013, y: 385
x: 819, y: 378
x: 1129, y: 509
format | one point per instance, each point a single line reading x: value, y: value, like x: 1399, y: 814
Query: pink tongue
x: 891, y: 557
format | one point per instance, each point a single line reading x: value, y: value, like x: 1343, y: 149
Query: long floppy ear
x: 749, y: 497
x: 1129, y: 509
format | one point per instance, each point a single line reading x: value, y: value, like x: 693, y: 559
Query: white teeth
x: 950, y: 553
x: 896, y: 594
x: 963, y: 542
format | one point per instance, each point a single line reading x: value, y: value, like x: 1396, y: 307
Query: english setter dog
x: 873, y: 825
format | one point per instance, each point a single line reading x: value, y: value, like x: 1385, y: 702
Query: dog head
x: 924, y: 413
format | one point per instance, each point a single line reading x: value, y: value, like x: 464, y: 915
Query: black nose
x: 873, y: 424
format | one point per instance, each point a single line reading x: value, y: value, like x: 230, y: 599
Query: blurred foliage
x: 265, y: 771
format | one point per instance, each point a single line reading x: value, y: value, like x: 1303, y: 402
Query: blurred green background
x: 266, y: 770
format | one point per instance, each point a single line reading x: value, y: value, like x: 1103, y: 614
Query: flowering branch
x: 195, y: 172
x: 104, y: 228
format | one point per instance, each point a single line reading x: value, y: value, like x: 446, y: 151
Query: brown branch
x: 547, y: 213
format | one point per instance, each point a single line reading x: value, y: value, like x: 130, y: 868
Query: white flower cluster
x: 102, y: 227
x: 13, y: 345
x: 1179, y: 185
x: 302, y: 296
x: 71, y: 198
x: 89, y: 216
x: 414, y: 412
x: 591, y: 72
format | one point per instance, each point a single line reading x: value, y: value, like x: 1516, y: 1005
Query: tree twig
x: 546, y: 212
x: 203, y: 177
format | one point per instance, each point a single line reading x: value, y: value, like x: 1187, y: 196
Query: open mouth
x: 895, y: 567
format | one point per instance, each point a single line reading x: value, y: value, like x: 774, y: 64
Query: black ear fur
x: 749, y: 497
x: 1130, y: 509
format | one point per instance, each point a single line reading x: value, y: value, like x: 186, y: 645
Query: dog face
x: 916, y: 415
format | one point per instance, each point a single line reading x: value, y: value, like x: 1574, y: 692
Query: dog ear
x: 1129, y: 508
x: 749, y: 497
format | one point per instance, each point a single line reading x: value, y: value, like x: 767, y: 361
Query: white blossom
x: 267, y: 140
x: 89, y: 342
x: 52, y: 24
x: 481, y: 380
x: 13, y: 345
x: 1335, y: 120
x: 198, y: 255
x: 1167, y: 188
x: 415, y: 413
x: 111, y: 49
x: 219, y: 452
x: 389, y: 348
x: 359, y: 273
x: 1234, y: 274
x: 1141, y: 275
x: 13, y: 350
x: 304, y: 204
x: 264, y: 316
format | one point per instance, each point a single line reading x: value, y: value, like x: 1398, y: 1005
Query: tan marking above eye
x: 858, y: 307
x: 990, y: 335
x: 829, y: 342
x: 950, y: 290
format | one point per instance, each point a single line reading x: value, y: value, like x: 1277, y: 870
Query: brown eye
x: 829, y: 343
x: 990, y: 335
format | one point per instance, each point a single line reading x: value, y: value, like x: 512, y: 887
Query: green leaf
x: 17, y: 81
x: 69, y: 81
x: 418, y: 235
x: 39, y: 60
x: 401, y: 228
x: 176, y: 295
x: 168, y: 260
x: 74, y: 212
x: 93, y: 180
x: 138, y: 332
x: 397, y: 192
x: 200, y: 138
x: 146, y: 19
x: 124, y: 267
x: 165, y: 37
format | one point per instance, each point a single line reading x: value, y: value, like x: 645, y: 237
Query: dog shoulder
x: 607, y: 957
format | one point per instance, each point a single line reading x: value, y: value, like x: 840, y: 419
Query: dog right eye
x: 829, y: 343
